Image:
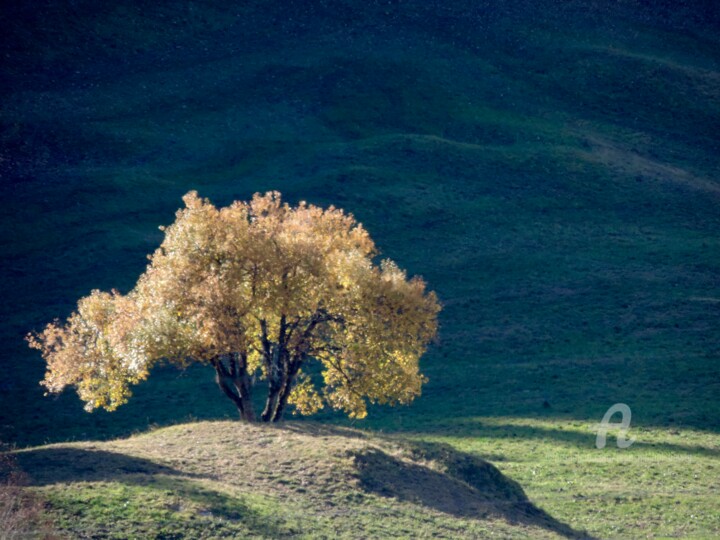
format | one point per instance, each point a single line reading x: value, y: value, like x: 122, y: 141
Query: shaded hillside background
x: 550, y: 168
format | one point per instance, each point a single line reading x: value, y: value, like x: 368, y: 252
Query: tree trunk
x: 243, y: 385
x: 275, y: 378
x: 276, y: 366
x: 286, y: 389
x: 282, y: 367
x: 280, y: 390
x: 234, y: 381
x: 244, y: 388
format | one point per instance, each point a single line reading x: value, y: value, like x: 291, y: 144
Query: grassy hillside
x: 550, y: 168
x: 301, y: 480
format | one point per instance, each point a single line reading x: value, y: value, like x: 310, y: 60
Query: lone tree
x: 260, y: 291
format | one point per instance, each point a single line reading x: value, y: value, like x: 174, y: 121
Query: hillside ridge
x: 293, y: 479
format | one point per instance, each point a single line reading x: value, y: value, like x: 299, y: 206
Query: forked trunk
x: 276, y: 371
x: 281, y: 369
x: 286, y: 389
x: 234, y: 381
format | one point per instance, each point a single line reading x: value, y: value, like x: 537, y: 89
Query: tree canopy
x: 260, y: 291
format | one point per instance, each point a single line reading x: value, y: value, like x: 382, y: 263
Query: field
x: 550, y: 169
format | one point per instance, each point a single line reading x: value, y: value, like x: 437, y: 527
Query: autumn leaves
x: 261, y: 291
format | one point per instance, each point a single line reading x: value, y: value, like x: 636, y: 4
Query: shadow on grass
x: 463, y: 486
x: 458, y: 484
x: 316, y: 429
x: 67, y: 465
x: 579, y: 440
x: 45, y: 466
x: 217, y: 504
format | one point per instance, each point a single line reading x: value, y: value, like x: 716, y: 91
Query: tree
x: 260, y: 291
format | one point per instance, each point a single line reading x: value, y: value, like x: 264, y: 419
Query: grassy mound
x: 549, y: 167
x: 224, y: 479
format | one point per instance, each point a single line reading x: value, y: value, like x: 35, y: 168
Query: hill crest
x: 226, y: 478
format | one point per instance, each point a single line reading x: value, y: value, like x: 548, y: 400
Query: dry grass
x: 267, y: 481
x: 630, y: 164
x: 21, y: 512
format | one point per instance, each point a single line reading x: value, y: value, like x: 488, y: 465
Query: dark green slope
x: 550, y: 168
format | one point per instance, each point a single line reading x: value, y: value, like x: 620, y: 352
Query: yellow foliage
x: 257, y: 278
x: 305, y: 397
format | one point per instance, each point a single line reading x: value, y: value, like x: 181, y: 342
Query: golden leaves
x: 91, y: 351
x: 248, y: 278
x: 305, y: 396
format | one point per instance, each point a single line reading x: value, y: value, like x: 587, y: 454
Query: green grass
x: 160, y: 508
x: 551, y: 170
x: 664, y: 485
x: 224, y: 479
x: 299, y: 480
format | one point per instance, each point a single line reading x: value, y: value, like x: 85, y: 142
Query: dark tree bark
x: 291, y: 363
x: 234, y: 381
x: 275, y: 378
x: 243, y: 385
x: 281, y: 366
x: 274, y: 354
x: 286, y: 389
